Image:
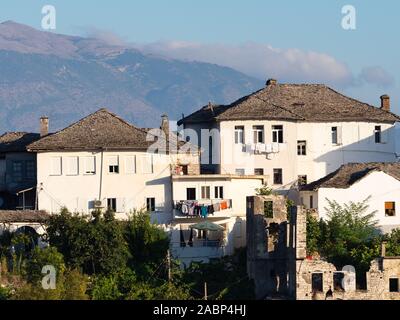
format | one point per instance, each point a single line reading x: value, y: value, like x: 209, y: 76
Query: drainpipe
x: 101, y: 173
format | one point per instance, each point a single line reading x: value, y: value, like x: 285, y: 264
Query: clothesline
x: 197, y: 208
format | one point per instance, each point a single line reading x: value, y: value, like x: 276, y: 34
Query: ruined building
x: 278, y: 263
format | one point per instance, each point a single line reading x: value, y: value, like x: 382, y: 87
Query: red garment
x: 224, y: 205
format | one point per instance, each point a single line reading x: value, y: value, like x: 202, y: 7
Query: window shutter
x: 120, y: 204
x: 147, y: 164
x: 339, y: 135
x: 72, y: 165
x: 113, y: 160
x: 56, y: 166
x: 130, y: 164
x: 90, y: 165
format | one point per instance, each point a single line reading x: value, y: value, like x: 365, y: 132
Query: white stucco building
x: 210, y: 190
x: 380, y: 182
x: 104, y: 162
x: 292, y: 133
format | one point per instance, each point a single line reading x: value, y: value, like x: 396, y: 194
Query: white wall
x: 380, y: 186
x: 322, y: 157
x: 77, y: 191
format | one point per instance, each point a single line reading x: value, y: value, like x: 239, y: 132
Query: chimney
x: 385, y: 102
x: 271, y: 82
x: 165, y: 124
x: 44, y: 126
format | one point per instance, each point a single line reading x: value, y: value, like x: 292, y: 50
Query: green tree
x: 393, y: 243
x: 264, y: 191
x: 148, y: 243
x: 39, y: 259
x: 348, y: 235
x: 95, y: 246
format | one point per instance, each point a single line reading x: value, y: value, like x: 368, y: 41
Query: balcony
x: 264, y: 148
x: 189, y: 209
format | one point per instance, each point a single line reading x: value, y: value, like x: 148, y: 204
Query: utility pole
x: 169, y: 265
x: 205, y: 290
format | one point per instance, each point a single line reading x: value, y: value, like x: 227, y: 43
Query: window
x: 205, y: 192
x: 378, y: 134
x: 112, y: 204
x: 302, y: 180
x: 311, y: 202
x: 218, y: 192
x: 89, y: 165
x: 147, y: 164
x: 130, y: 165
x: 301, y: 148
x: 151, y: 204
x: 277, y: 134
x: 17, y: 170
x: 394, y: 285
x: 71, y: 166
x: 30, y: 170
x: 113, y: 164
x: 316, y: 282
x: 268, y: 209
x: 278, y: 176
x: 240, y: 172
x: 338, y: 278
x: 55, y: 166
x: 390, y: 209
x: 258, y: 134
x: 336, y: 134
x: 239, y: 135
x: 190, y: 193
x: 259, y: 171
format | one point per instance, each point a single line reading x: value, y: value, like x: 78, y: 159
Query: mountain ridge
x: 67, y: 77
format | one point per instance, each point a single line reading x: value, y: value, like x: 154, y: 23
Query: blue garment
x: 204, y: 211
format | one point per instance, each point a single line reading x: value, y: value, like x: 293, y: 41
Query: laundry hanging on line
x: 194, y: 208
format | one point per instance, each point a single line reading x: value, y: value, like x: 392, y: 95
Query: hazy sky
x: 293, y: 41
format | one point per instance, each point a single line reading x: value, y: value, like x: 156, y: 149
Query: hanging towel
x: 204, y: 211
x: 224, y: 205
x: 217, y: 207
x: 192, y: 208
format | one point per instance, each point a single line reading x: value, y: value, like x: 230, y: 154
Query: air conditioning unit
x: 98, y: 204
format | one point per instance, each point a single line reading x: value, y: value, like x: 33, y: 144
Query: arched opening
x: 28, y: 237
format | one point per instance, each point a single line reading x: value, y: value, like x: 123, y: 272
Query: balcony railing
x: 263, y: 148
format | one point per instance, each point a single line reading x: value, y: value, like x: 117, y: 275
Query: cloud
x: 260, y: 60
x: 377, y: 76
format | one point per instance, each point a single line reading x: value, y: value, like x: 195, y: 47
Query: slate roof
x: 8, y: 216
x: 297, y: 102
x: 350, y: 173
x: 17, y: 141
x: 99, y: 130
